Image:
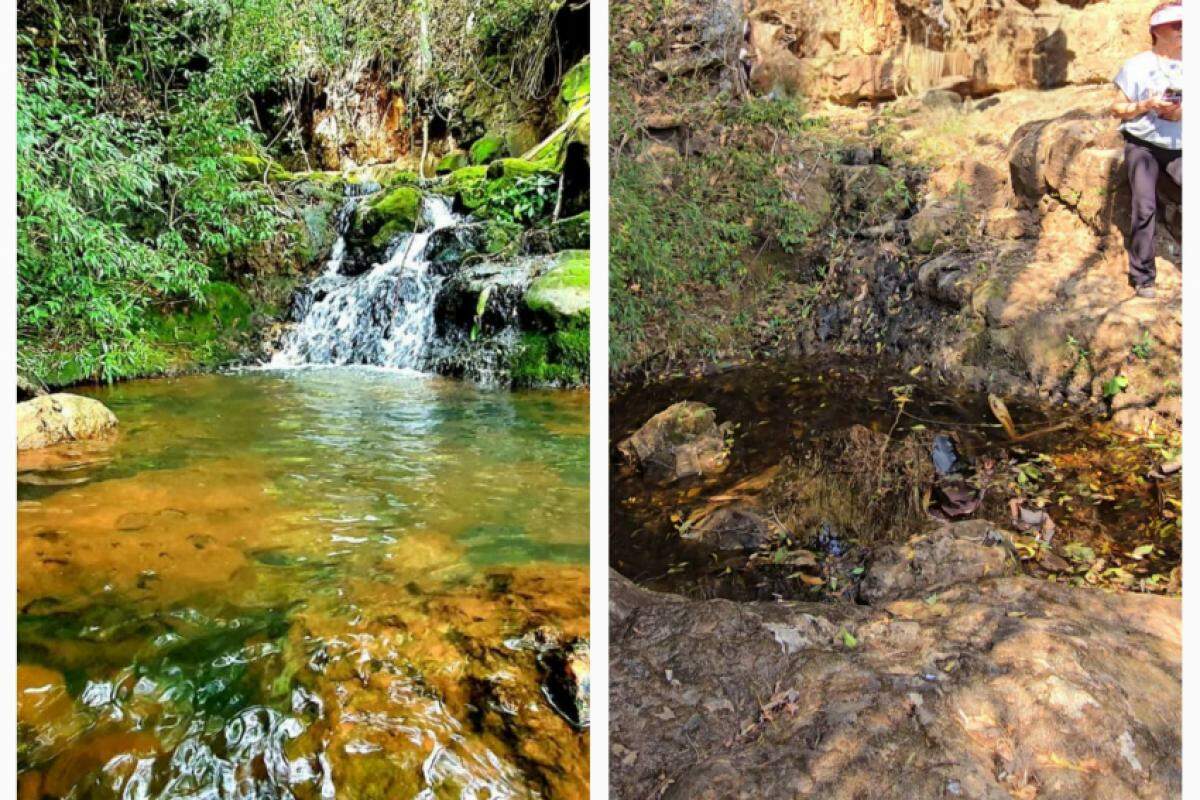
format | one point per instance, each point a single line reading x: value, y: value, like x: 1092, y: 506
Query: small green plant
x: 1144, y: 347
x: 1114, y: 386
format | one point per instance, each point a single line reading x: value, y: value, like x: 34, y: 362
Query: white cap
x: 1166, y: 16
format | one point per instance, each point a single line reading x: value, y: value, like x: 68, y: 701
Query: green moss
x: 388, y: 176
x: 468, y: 184
x: 253, y: 168
x: 500, y: 235
x: 518, y: 167
x: 389, y: 231
x: 576, y: 87
x: 486, y: 149
x: 225, y: 309
x: 455, y: 159
x: 573, y: 346
x: 557, y: 359
x: 508, y: 189
x: 561, y: 293
x: 520, y: 138
x: 571, y: 233
x: 399, y: 208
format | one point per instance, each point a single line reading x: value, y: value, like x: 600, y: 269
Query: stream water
x: 384, y: 317
x: 323, y: 582
x: 789, y: 462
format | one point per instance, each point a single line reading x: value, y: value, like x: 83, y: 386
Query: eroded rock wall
x: 876, y: 50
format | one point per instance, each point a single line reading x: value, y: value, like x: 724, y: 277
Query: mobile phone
x: 1173, y: 95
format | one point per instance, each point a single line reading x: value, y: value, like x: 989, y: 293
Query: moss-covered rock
x: 398, y: 208
x: 255, y: 168
x: 572, y: 233
x: 520, y: 138
x: 455, y: 159
x: 501, y: 235
x: 206, y: 334
x: 561, y: 293
x: 467, y: 185
x: 400, y: 205
x: 551, y: 359
x: 518, y: 167
x: 575, y: 90
x: 487, y: 148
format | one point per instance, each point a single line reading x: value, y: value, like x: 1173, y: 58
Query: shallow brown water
x: 1089, y: 477
x: 316, y: 583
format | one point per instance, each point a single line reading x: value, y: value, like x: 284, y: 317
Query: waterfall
x: 383, y: 317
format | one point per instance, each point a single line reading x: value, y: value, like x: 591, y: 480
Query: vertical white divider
x: 598, y: 149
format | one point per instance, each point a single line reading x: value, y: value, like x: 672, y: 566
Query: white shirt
x: 1144, y: 76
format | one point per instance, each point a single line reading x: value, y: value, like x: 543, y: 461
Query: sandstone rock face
x: 1079, y: 160
x: 362, y: 121
x: 875, y: 50
x: 998, y: 688
x: 682, y: 441
x: 56, y: 418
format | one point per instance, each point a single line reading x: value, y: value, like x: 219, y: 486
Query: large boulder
x: 56, y: 418
x: 1078, y: 159
x: 681, y: 441
x: 997, y: 688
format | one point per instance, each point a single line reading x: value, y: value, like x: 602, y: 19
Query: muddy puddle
x: 315, y: 584
x: 833, y: 460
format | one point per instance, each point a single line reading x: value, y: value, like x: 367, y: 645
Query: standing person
x: 1151, y: 113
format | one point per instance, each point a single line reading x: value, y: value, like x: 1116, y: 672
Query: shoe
x: 1146, y: 292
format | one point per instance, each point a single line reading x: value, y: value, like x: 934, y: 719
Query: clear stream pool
x: 327, y: 582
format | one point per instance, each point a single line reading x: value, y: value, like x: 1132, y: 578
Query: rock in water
x: 56, y: 418
x: 566, y: 673
x: 679, y: 442
x: 953, y: 553
x: 731, y: 528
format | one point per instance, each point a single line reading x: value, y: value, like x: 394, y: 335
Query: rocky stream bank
x: 839, y: 576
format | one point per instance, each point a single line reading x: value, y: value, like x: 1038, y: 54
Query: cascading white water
x: 384, y: 317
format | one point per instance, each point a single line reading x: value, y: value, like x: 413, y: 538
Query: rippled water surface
x: 313, y: 583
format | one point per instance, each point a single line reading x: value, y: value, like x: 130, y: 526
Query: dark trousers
x: 1145, y: 162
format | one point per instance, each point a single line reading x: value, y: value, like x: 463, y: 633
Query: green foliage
x: 520, y: 197
x: 1144, y: 347
x: 702, y: 226
x: 131, y: 153
x: 784, y: 115
x: 560, y: 358
x: 1114, y: 386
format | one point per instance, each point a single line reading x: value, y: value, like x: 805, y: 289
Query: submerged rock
x: 56, y: 418
x: 731, y: 528
x: 682, y: 441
